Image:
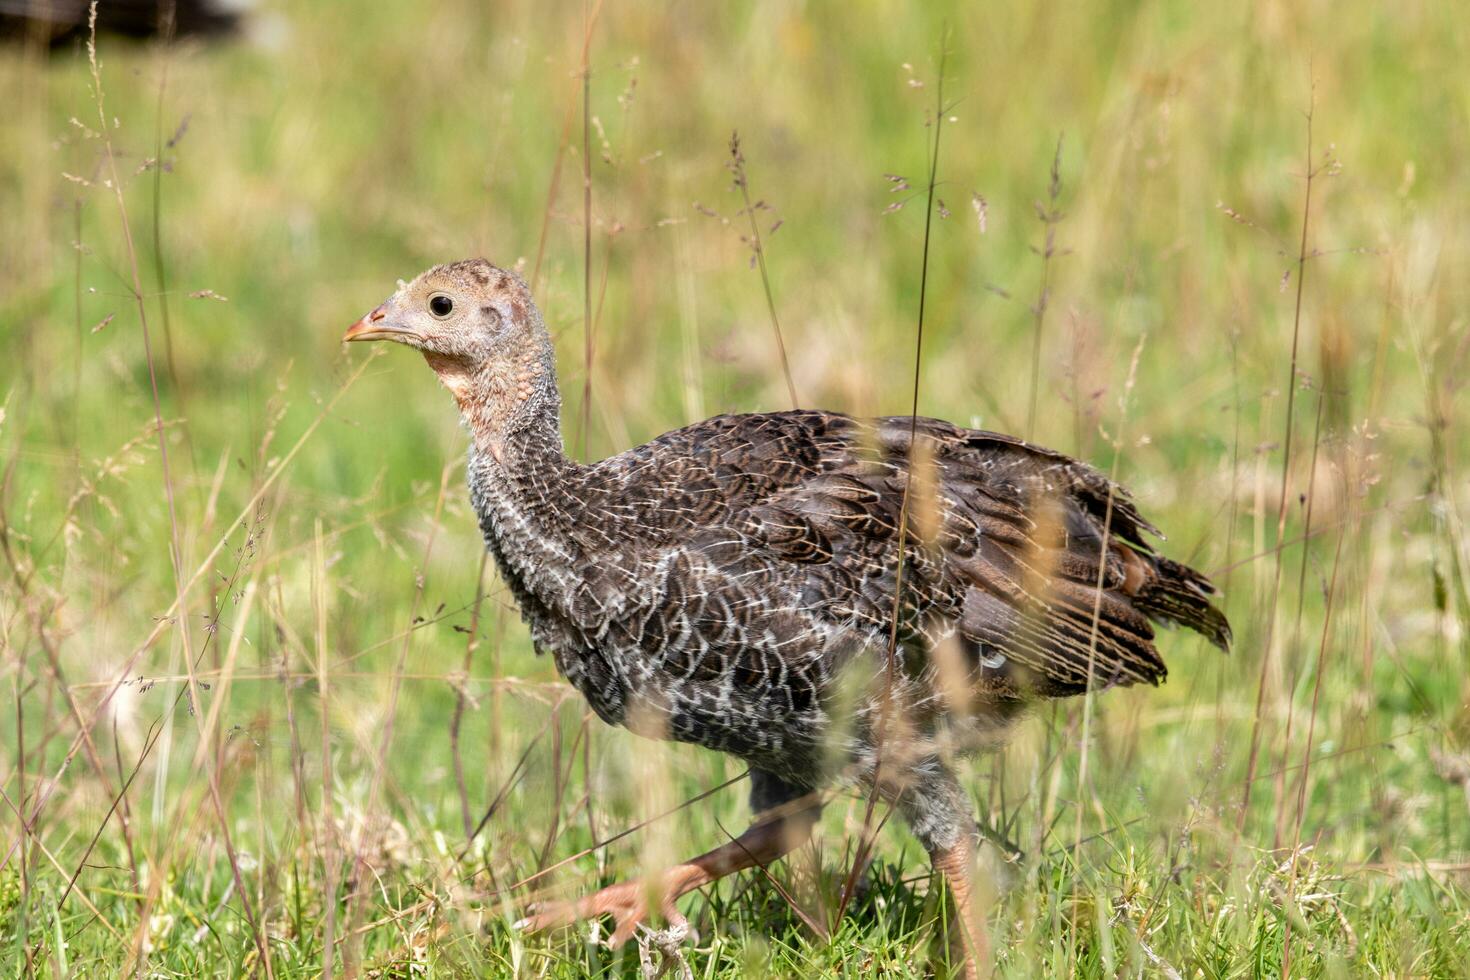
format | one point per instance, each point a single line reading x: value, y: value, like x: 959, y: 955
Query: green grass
x: 350, y: 146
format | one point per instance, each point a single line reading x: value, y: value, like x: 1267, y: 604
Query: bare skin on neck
x: 491, y: 397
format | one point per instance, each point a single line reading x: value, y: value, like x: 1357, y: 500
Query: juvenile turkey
x: 733, y: 583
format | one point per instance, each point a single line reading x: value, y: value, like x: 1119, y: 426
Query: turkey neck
x: 522, y: 485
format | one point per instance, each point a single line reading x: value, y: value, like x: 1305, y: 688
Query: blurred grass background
x: 334, y: 148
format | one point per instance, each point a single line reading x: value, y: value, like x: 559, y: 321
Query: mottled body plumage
x: 714, y: 583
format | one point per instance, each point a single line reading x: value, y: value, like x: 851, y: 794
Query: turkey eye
x: 440, y: 305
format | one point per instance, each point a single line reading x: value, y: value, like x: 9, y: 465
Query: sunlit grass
x: 327, y: 545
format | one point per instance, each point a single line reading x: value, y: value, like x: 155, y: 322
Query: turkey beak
x: 374, y: 326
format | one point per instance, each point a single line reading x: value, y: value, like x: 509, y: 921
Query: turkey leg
x: 627, y: 902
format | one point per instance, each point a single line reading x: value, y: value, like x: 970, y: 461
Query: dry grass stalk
x: 1270, y: 639
x: 1050, y: 215
x: 758, y: 255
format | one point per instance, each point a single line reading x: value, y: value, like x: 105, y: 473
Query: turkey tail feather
x: 1181, y: 595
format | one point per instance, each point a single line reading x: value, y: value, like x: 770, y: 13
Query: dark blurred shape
x: 57, y: 22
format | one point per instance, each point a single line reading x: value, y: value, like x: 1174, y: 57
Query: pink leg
x: 954, y: 864
x: 627, y: 901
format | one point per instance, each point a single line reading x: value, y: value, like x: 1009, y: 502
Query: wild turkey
x: 714, y: 585
x: 56, y: 22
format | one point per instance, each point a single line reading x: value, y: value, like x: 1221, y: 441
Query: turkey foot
x: 626, y: 902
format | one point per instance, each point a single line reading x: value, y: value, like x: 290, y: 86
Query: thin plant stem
x: 1306, y: 764
x: 328, y: 833
x: 1050, y: 217
x: 865, y: 841
x: 757, y: 245
x: 561, y: 149
x: 586, y: 230
x: 472, y: 642
x: 1089, y: 694
x: 1296, y: 631
x: 1291, y: 382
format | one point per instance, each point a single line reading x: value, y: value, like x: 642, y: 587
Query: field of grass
x: 266, y: 713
